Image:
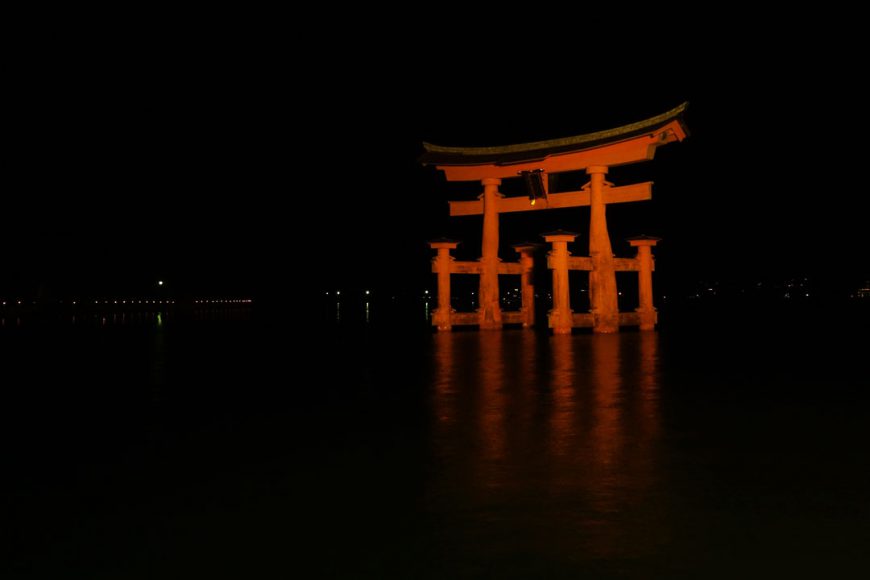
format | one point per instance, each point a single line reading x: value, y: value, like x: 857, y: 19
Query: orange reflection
x: 556, y: 432
x: 493, y: 428
x: 606, y: 435
x: 563, y: 409
x: 443, y: 403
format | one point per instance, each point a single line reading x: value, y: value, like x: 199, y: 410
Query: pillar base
x: 561, y: 322
x: 606, y: 324
x: 647, y: 318
x: 441, y: 320
x: 489, y: 320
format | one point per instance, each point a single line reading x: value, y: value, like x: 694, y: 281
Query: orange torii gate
x: 595, y: 153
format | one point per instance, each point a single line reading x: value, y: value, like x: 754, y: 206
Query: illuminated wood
x: 595, y: 153
x: 602, y: 278
x: 441, y: 317
x: 622, y: 145
x: 513, y: 268
x: 527, y: 288
x: 465, y: 318
x: 489, y: 309
x: 646, y: 312
x: 465, y: 267
x: 582, y: 320
x: 513, y: 317
x: 639, y: 149
x: 622, y: 194
x: 561, y: 317
x: 583, y: 263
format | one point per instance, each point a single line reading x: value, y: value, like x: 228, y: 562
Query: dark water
x: 222, y: 449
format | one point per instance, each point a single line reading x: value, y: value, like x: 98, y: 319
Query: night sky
x: 235, y: 161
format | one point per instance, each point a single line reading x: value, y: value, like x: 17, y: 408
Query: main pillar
x: 527, y: 287
x: 646, y: 311
x: 561, y: 316
x: 602, y: 278
x: 441, y: 318
x: 489, y: 311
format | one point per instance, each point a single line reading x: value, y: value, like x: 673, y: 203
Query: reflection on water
x: 551, y: 438
x: 508, y: 454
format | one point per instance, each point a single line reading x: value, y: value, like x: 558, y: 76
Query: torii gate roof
x: 619, y: 146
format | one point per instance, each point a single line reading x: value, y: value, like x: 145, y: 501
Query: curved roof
x: 506, y: 154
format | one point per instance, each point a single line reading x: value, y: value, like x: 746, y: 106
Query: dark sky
x: 238, y: 159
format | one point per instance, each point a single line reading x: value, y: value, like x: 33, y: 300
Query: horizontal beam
x: 625, y: 265
x: 465, y: 267
x: 510, y: 268
x: 587, y: 319
x: 477, y: 267
x: 464, y: 318
x: 622, y: 194
x: 512, y: 316
x: 631, y: 150
x: 584, y: 263
x: 578, y: 263
x: 582, y: 320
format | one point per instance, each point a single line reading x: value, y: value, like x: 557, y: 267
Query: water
x: 221, y: 449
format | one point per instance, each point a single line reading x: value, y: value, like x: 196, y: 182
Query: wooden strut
x: 561, y: 319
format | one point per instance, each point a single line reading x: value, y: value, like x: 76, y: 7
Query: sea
x: 248, y: 443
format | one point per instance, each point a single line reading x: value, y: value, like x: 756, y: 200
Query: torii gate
x: 594, y: 152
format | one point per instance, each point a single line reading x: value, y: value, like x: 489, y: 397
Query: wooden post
x: 602, y: 278
x: 646, y: 311
x: 490, y: 311
x: 527, y: 287
x: 561, y: 316
x: 441, y: 318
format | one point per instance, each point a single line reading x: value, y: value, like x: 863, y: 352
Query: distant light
x: 532, y: 201
x: 425, y: 292
x: 338, y: 292
x: 327, y: 293
x: 367, y: 292
x: 160, y: 282
x: 807, y: 294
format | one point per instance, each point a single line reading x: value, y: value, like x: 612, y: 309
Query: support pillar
x: 602, y: 278
x: 441, y: 317
x: 646, y: 311
x: 527, y: 287
x: 489, y: 310
x: 561, y: 316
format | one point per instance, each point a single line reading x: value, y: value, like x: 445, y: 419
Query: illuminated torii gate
x: 593, y: 152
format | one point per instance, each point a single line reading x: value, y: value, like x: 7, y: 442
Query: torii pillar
x: 489, y: 311
x: 561, y: 316
x: 442, y: 315
x: 527, y: 287
x: 602, y: 278
x: 646, y: 312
